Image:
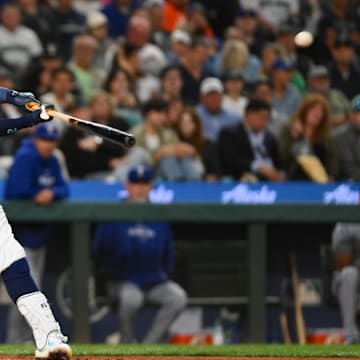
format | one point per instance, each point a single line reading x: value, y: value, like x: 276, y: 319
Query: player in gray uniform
x: 14, y: 269
x: 346, y: 285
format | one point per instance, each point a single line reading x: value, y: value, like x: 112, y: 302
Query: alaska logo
x: 242, y: 194
x: 343, y: 194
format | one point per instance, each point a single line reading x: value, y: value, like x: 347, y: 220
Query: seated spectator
x: 180, y: 40
x: 193, y: 70
x: 270, y: 53
x: 19, y: 45
x: 138, y: 257
x: 212, y: 114
x: 97, y: 27
x: 171, y: 83
x: 175, y: 109
x: 308, y: 133
x: 175, y: 14
x: 198, y: 24
x: 118, y: 13
x: 89, y: 78
x: 40, y: 19
x: 344, y: 72
x: 171, y: 159
x: 247, y: 150
x: 155, y: 12
x: 69, y: 24
x: 345, y: 285
x: 286, y: 96
x: 189, y: 130
x: 339, y: 105
x: 247, y: 21
x: 62, y: 84
x: 235, y: 56
x: 263, y: 90
x: 87, y: 155
x: 36, y: 176
x: 349, y: 145
x: 234, y: 101
x: 120, y: 86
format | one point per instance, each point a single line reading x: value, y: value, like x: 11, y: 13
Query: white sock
x: 36, y: 310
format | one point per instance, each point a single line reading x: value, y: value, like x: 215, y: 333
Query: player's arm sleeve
x: 61, y: 187
x: 169, y: 258
x: 19, y: 182
x: 11, y: 126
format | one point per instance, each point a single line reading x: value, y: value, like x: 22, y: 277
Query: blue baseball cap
x: 355, y: 103
x: 140, y: 174
x: 47, y: 131
x: 281, y: 64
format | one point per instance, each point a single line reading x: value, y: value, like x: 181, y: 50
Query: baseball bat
x: 104, y: 131
x: 299, y: 317
x: 285, y: 328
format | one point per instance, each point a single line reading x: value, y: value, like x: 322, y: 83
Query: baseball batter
x: 14, y: 269
x: 346, y: 281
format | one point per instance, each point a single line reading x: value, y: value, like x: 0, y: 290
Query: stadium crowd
x: 212, y: 90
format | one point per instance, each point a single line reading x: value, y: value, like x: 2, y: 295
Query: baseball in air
x: 304, y: 39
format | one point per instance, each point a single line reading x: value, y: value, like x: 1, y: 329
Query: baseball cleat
x: 55, y: 348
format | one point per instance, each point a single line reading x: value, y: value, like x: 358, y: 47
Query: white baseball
x: 304, y: 39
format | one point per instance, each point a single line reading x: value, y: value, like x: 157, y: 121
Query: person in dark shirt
x: 138, y: 258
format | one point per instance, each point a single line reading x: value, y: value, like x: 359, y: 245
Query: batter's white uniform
x: 10, y: 249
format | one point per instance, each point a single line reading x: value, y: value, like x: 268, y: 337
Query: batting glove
x: 21, y: 98
x: 41, y: 114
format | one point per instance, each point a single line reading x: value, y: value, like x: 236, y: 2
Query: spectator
x: 175, y: 14
x: 308, y: 133
x: 344, y: 72
x: 89, y: 79
x: 171, y: 83
x: 138, y: 258
x: 171, y: 159
x: 286, y: 96
x: 69, y: 24
x: 349, y: 145
x: 35, y: 175
x: 252, y: 34
x: 263, y: 90
x: 189, y: 130
x: 345, y: 285
x: 211, y: 111
x: 175, y: 110
x: 247, y: 150
x: 235, y: 56
x: 118, y: 13
x: 270, y: 53
x: 87, y: 155
x: 198, y: 24
x: 234, y: 101
x: 180, y: 41
x: 155, y: 13
x: 19, y: 45
x: 40, y: 20
x: 62, y: 84
x: 193, y: 71
x: 97, y: 26
x: 339, y: 105
x: 120, y: 86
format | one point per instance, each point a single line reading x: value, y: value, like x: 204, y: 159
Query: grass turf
x: 273, y: 350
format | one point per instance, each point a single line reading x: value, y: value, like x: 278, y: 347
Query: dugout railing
x: 256, y: 217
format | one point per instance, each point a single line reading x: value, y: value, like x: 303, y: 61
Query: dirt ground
x: 12, y: 357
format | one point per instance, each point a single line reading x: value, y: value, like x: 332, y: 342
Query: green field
x: 275, y: 350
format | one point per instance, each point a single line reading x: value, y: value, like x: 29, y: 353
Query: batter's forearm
x: 11, y: 126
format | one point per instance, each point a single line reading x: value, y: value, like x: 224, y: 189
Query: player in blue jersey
x: 14, y: 269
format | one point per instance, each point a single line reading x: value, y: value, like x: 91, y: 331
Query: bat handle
x: 32, y: 106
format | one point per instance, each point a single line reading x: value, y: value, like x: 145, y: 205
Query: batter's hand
x: 21, y: 98
x: 41, y: 114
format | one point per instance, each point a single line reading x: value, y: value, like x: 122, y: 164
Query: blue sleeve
x: 103, y: 244
x: 19, y: 184
x: 4, y: 93
x: 61, y: 187
x: 169, y: 256
x: 11, y: 126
